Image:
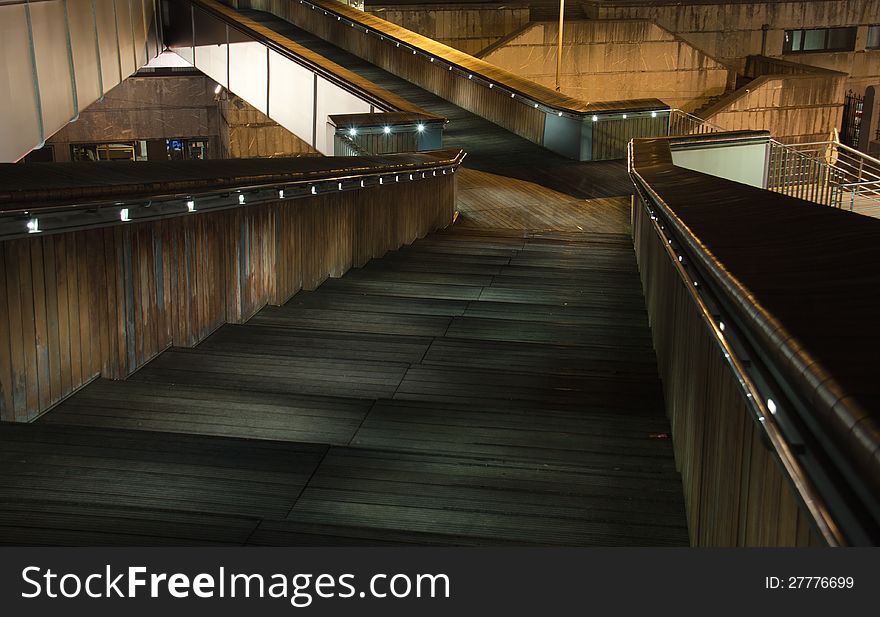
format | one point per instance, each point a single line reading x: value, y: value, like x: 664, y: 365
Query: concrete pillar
x: 870, y: 118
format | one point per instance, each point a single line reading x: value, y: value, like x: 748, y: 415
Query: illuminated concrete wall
x: 731, y: 31
x: 467, y: 27
x: 179, y: 107
x: 613, y: 60
x: 60, y: 56
x: 797, y: 103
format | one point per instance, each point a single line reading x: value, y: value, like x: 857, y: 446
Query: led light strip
x: 22, y: 223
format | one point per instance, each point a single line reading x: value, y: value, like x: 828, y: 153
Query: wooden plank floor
x: 494, y: 384
x: 481, y: 386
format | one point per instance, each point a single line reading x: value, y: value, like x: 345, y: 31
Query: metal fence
x: 681, y: 123
x: 343, y: 145
x: 828, y: 172
x: 801, y: 175
x: 856, y: 176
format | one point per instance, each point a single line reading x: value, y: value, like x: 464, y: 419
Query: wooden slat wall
x: 735, y: 492
x: 493, y: 105
x: 106, y: 301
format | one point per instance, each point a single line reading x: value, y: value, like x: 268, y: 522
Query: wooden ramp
x: 482, y: 386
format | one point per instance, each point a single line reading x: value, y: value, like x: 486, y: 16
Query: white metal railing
x: 682, y: 123
x: 803, y: 175
x: 857, y: 174
x: 825, y: 172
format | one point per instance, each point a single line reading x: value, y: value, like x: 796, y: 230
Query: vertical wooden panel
x: 17, y: 339
x: 41, y: 326
x: 7, y: 407
x: 53, y: 342
x: 735, y: 491
x: 63, y: 315
x: 105, y: 301
x: 74, y: 331
x: 98, y: 299
x: 94, y: 293
x: 28, y: 327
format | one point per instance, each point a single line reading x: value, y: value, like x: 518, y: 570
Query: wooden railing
x: 101, y: 286
x: 773, y: 450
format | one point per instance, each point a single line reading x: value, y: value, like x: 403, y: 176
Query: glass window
x: 819, y: 40
x: 841, y: 39
x: 873, y: 37
x: 814, y: 40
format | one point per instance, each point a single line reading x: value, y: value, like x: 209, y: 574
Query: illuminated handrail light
x: 123, y: 215
x: 241, y: 199
x: 420, y: 128
x: 386, y: 130
x: 191, y: 206
x: 33, y: 226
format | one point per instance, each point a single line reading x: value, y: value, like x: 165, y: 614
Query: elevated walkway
x: 490, y: 147
x: 482, y: 386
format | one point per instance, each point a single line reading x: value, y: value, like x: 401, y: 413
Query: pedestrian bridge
x: 504, y: 341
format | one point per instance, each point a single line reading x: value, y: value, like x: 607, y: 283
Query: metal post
x: 559, y: 46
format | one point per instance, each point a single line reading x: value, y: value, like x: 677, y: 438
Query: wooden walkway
x: 490, y: 148
x: 494, y: 384
x: 482, y: 386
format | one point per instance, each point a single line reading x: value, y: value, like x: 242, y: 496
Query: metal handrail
x: 235, y: 21
x: 698, y: 126
x: 25, y: 218
x: 712, y: 288
x: 349, y: 146
x: 476, y: 70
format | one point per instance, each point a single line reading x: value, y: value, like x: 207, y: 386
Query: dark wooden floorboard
x: 482, y: 499
x: 493, y: 383
x: 531, y: 417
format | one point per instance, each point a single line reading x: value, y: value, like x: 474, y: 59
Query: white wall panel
x: 291, y: 92
x: 20, y: 124
x: 333, y: 100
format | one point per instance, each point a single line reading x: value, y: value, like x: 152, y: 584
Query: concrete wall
x: 731, y: 31
x: 146, y: 108
x: 795, y: 102
x: 178, y: 107
x: 251, y: 133
x: 613, y: 60
x: 467, y: 27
